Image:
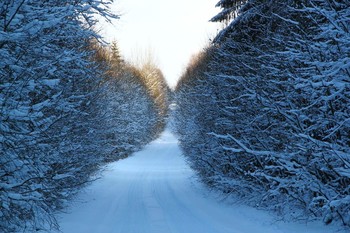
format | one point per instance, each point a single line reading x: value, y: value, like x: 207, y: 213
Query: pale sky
x: 172, y: 30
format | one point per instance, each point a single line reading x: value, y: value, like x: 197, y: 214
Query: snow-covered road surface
x: 155, y: 191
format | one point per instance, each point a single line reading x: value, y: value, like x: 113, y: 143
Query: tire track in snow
x: 153, y: 191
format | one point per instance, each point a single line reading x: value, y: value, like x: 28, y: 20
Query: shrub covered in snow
x: 60, y: 117
x: 267, y: 115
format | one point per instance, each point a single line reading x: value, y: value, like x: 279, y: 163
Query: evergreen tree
x: 230, y: 9
x: 277, y: 80
x: 61, y: 117
x: 115, y: 53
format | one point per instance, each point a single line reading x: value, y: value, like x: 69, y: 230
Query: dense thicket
x: 264, y: 113
x: 229, y: 10
x: 63, y: 112
x: 132, y: 103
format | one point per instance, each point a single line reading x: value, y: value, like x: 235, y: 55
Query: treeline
x: 264, y: 112
x: 67, y: 106
x: 132, y: 100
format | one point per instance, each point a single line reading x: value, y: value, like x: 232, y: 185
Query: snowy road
x: 154, y: 191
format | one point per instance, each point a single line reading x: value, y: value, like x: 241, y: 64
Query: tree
x: 230, y: 9
x: 45, y: 90
x: 115, y: 53
x: 277, y: 80
x: 128, y: 109
x: 68, y: 106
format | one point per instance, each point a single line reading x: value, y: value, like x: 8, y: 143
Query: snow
x: 20, y: 112
x: 51, y: 82
x: 61, y: 176
x: 155, y: 191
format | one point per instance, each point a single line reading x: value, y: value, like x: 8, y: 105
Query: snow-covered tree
x: 55, y: 103
x: 278, y: 79
x: 45, y: 87
x: 229, y: 10
x: 128, y: 115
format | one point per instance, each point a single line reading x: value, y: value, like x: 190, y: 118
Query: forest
x: 69, y: 104
x: 263, y: 113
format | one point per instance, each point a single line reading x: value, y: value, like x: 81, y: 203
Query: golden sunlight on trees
x: 154, y: 81
x: 144, y: 72
x: 68, y: 106
x: 146, y: 65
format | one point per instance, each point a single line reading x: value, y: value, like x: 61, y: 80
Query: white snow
x: 50, y: 82
x: 61, y: 176
x: 155, y: 191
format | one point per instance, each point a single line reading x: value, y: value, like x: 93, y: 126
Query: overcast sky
x: 172, y: 30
